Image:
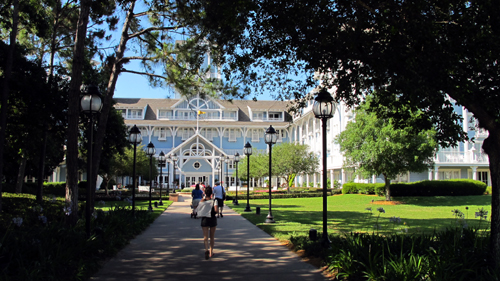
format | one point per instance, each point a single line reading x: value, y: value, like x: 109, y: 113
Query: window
x: 255, y: 135
x: 186, y: 133
x: 232, y: 134
x: 274, y: 116
x: 449, y: 174
x: 208, y: 134
x: 196, y: 165
x: 229, y: 115
x: 165, y: 114
x: 258, y: 116
x: 281, y: 134
x: 483, y: 176
x: 134, y: 114
x: 162, y: 134
x: 401, y: 178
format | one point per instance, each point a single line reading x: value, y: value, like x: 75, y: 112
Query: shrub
x: 460, y: 187
x: 363, y: 188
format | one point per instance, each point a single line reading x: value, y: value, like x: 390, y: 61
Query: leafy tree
x: 430, y: 55
x: 292, y: 159
x: 289, y: 159
x: 374, y: 146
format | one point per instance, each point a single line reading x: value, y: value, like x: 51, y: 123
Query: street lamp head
x: 134, y: 135
x: 174, y: 157
x: 150, y: 149
x: 237, y: 157
x: 271, y: 137
x: 91, y: 101
x: 247, y: 149
x: 161, y: 157
x: 222, y: 159
x: 227, y: 159
x: 324, y: 107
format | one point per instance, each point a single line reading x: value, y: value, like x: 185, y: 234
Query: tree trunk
x: 490, y: 146
x: 20, y: 175
x: 41, y: 166
x: 6, y: 87
x: 74, y: 112
x: 108, y: 97
x: 387, y: 188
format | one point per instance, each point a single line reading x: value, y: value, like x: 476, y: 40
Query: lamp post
x: 236, y: 160
x: 161, y: 161
x: 270, y: 138
x: 247, y: 149
x: 174, y: 161
x: 150, y: 150
x: 221, y: 166
x: 324, y: 109
x: 91, y: 103
x: 169, y: 159
x: 227, y: 173
x: 135, y: 138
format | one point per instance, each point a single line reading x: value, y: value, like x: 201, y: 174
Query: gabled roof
x: 205, y: 142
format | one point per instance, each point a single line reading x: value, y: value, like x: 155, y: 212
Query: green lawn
x: 139, y: 204
x: 348, y: 213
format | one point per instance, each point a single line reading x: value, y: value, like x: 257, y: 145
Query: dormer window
x: 134, y: 114
x: 258, y: 116
x: 274, y: 116
x: 165, y: 114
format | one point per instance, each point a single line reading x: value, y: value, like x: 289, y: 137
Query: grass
x: 139, y: 205
x: 348, y: 213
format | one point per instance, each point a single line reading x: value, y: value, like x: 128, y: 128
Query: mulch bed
x: 384, y: 202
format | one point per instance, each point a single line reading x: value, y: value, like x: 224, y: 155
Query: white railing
x: 461, y: 157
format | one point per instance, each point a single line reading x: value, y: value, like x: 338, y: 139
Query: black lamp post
x: 324, y: 109
x: 174, y: 162
x: 247, y: 149
x: 150, y: 150
x: 236, y: 160
x: 135, y: 138
x: 161, y: 161
x: 270, y: 138
x: 221, y: 167
x: 227, y: 172
x: 91, y: 103
x: 169, y: 159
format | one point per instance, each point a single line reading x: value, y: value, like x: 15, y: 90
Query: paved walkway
x: 172, y: 249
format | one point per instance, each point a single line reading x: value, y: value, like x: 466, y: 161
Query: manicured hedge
x: 458, y: 187
x: 363, y: 188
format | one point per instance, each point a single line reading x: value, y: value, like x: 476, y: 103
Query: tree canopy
x: 373, y: 146
x: 429, y: 55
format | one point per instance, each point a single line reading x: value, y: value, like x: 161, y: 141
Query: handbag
x: 223, y: 194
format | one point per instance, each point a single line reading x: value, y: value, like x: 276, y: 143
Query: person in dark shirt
x: 197, y: 195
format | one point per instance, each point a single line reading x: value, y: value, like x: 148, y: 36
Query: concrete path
x: 172, y: 249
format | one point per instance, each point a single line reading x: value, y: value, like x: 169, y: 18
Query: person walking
x: 207, y: 208
x: 220, y: 196
x: 197, y: 195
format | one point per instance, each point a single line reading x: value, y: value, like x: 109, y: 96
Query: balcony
x: 457, y: 157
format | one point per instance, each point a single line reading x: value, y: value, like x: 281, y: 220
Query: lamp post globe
x: 323, y: 109
x: 247, y: 150
x: 150, y: 151
x: 270, y: 139
x: 236, y: 160
x: 174, y: 162
x: 161, y: 161
x: 90, y: 103
x: 134, y: 137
